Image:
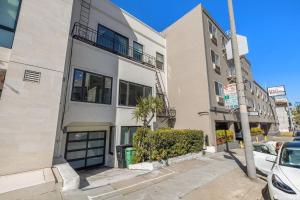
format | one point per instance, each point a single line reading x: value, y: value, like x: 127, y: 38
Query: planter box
x: 231, y: 145
x: 150, y: 166
x: 260, y: 138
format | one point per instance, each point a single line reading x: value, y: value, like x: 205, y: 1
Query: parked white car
x: 283, y: 170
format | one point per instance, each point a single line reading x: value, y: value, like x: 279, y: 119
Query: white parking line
x: 127, y: 187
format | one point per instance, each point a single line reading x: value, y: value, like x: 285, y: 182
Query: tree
x: 146, y: 109
x: 296, y: 113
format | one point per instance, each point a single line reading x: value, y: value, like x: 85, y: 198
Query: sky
x: 271, y: 26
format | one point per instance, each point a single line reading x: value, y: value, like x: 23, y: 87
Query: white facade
x: 29, y: 110
x: 82, y: 116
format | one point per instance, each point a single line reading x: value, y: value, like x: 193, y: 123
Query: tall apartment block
x: 71, y: 72
x: 198, y: 70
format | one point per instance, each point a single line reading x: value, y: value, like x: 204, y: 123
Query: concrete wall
x: 187, y: 74
x: 283, y: 118
x: 29, y: 111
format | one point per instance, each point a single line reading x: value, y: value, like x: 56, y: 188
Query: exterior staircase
x: 167, y: 117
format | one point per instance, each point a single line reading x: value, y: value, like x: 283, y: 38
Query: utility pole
x: 251, y: 170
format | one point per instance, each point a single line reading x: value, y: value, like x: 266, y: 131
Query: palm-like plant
x: 146, y: 109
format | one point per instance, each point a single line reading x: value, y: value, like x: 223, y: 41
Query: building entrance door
x: 85, y: 149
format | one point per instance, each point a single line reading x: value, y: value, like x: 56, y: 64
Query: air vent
x: 32, y: 76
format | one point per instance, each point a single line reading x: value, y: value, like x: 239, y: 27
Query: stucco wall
x: 187, y: 74
x: 29, y: 111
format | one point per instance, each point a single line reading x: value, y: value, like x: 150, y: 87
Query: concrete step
x: 27, y: 184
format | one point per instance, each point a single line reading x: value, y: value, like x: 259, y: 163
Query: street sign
x: 231, y: 97
x: 242, y: 45
x: 276, y: 91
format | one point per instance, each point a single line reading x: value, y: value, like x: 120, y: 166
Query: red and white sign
x: 276, y: 91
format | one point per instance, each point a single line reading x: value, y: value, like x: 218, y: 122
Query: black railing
x: 95, y: 38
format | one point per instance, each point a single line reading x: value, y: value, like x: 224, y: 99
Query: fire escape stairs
x: 85, y: 13
x: 167, y: 112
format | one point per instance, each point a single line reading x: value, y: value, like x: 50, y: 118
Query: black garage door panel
x: 85, y: 149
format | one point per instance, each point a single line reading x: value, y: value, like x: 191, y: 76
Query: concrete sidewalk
x: 216, y: 176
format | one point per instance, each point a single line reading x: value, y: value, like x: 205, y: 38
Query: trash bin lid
x: 129, y: 149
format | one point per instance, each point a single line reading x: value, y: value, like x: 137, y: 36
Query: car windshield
x: 290, y: 157
x: 297, y: 134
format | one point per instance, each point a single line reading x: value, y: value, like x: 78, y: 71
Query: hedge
x: 256, y: 131
x: 166, y: 143
x: 224, y: 136
x: 287, y: 134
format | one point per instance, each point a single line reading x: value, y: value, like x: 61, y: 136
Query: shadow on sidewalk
x: 238, y: 162
x: 242, y: 166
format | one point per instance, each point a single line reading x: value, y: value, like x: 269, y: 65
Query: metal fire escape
x: 168, y: 114
x: 85, y: 12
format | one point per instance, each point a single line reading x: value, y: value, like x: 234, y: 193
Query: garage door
x: 85, y: 149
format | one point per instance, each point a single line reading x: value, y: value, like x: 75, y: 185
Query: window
x: 9, y: 11
x: 92, y: 88
x: 127, y: 133
x: 219, y: 89
x: 112, y: 40
x: 215, y: 58
x: 137, y: 51
x: 112, y: 140
x: 159, y: 61
x: 216, y: 62
x: 213, y: 32
x: 2, y: 79
x: 223, y: 42
x: 130, y: 92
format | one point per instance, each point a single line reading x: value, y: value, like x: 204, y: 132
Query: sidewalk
x: 215, y: 176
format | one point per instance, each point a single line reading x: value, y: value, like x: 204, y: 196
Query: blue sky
x: 272, y: 28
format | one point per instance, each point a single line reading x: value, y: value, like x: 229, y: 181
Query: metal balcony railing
x: 95, y: 38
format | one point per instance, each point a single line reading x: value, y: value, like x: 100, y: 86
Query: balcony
x: 94, y: 38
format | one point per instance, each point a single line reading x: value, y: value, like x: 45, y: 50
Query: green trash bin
x: 129, y: 156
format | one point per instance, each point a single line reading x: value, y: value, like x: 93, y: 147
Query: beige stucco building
x: 198, y: 70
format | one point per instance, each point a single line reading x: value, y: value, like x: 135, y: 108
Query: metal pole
x: 251, y: 170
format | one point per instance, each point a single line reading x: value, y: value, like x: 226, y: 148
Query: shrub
x: 166, y: 143
x: 256, y: 131
x: 224, y: 136
x: 286, y: 134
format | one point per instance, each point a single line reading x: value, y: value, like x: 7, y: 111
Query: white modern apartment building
x: 113, y: 59
x: 71, y: 73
